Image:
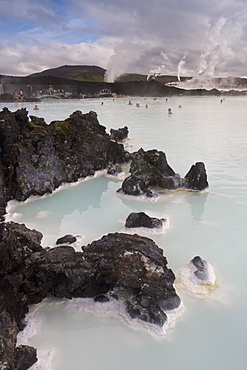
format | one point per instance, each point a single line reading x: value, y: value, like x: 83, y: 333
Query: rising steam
x: 155, y: 72
x: 180, y: 64
x: 214, y: 48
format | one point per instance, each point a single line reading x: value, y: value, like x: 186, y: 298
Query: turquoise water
x: 211, y: 333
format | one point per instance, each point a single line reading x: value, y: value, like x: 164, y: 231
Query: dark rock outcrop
x: 150, y: 170
x: 126, y: 267
x: 66, y: 239
x: 140, y: 219
x: 12, y: 357
x: 35, y: 158
x: 196, y: 178
x: 120, y: 134
x: 17, y: 243
x: 25, y: 357
x: 125, y: 264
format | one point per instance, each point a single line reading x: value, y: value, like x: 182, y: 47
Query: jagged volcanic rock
x: 150, y: 170
x: 66, y: 239
x: 141, y: 219
x: 35, y: 158
x: 119, y: 134
x: 126, y: 267
x: 12, y: 357
x: 134, y: 269
x: 16, y: 244
x: 196, y: 178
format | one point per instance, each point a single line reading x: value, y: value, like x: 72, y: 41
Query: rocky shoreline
x: 127, y: 268
x: 35, y: 159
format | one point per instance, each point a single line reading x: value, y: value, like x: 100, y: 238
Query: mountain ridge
x: 81, y: 73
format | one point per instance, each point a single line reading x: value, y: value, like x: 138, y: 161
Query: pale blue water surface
x: 211, y: 334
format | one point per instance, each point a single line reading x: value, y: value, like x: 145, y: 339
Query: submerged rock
x: 198, y: 276
x: 119, y: 266
x: 140, y: 219
x: 150, y: 170
x: 203, y: 271
x: 36, y: 158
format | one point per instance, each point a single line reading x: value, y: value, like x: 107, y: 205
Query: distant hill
x: 84, y: 73
x: 82, y: 80
x: 80, y: 73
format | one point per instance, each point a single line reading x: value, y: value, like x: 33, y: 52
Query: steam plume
x: 180, y: 64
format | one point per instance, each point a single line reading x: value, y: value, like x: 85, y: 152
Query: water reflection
x: 197, y: 203
x: 69, y: 203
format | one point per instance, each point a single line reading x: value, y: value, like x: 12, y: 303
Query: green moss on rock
x: 62, y: 127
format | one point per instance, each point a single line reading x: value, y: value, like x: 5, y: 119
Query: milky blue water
x: 212, y: 332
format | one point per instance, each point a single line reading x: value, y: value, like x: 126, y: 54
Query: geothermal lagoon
x: 210, y: 332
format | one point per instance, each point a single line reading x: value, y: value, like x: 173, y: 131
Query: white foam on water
x: 142, y: 198
x: 33, y: 324
x: 113, y: 308
x: 12, y: 217
x: 44, y: 360
x: 80, y: 180
x: 12, y: 203
x: 188, y: 280
x: 116, y: 308
x: 119, y: 176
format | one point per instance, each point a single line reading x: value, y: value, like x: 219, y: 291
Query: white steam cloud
x: 214, y: 49
x: 180, y: 64
x: 155, y: 72
x: 121, y: 61
x: 219, y: 51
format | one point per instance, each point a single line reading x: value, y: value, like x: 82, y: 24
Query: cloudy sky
x: 181, y: 37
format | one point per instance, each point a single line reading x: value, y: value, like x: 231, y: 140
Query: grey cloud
x: 142, y: 35
x: 175, y: 27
